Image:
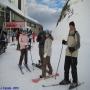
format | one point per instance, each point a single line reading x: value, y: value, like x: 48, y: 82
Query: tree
x: 64, y: 11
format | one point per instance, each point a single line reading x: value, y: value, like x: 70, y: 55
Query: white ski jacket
x: 47, y: 46
x: 73, y: 41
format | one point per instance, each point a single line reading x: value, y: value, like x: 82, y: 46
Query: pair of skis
x: 22, y: 70
x: 70, y: 88
x: 36, y: 80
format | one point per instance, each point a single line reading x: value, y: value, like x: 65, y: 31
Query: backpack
x: 78, y: 39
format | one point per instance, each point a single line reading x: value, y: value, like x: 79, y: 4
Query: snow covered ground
x: 10, y: 75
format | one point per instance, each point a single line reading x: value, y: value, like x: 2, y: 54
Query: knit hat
x: 72, y: 23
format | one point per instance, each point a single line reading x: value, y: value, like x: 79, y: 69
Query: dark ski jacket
x: 41, y: 39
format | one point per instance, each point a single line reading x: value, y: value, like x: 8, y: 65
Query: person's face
x: 71, y: 27
x: 47, y: 35
x: 23, y: 33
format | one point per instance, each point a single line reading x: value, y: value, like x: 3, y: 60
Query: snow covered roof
x: 5, y: 3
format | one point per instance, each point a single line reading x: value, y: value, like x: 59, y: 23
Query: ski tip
x: 35, y: 80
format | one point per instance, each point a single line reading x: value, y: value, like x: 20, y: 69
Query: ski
x: 79, y: 84
x: 21, y: 70
x: 36, y: 80
x: 50, y: 85
x: 27, y: 68
x: 53, y: 85
x: 39, y: 67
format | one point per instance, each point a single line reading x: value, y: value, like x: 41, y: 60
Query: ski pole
x: 59, y: 60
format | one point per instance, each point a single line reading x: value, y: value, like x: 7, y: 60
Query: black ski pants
x: 70, y: 62
x: 23, y: 56
x: 41, y: 53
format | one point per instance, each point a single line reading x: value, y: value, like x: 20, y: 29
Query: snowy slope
x: 10, y: 75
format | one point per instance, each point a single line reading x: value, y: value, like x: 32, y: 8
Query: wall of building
x: 14, y: 2
x: 20, y: 4
x: 16, y: 17
x: 24, y: 6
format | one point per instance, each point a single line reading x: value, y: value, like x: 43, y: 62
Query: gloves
x: 45, y: 55
x: 71, y: 49
x: 64, y: 42
x: 26, y: 46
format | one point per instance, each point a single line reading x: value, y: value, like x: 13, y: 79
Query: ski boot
x: 64, y: 82
x: 42, y: 76
x: 73, y: 85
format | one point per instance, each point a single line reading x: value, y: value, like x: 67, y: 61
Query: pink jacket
x: 23, y: 41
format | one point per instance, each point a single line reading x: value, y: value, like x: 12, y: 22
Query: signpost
x: 16, y: 24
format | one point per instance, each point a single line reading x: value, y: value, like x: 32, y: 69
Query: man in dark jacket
x: 41, y: 39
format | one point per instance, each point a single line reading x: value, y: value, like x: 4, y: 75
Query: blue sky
x: 51, y: 3
x: 47, y: 12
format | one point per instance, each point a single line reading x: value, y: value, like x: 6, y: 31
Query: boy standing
x: 47, y: 54
x: 73, y: 44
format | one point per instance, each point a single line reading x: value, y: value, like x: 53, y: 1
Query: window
x: 13, y: 16
x: 19, y: 4
x: 7, y: 17
x: 1, y: 14
x: 2, y: 8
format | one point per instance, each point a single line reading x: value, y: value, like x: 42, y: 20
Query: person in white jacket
x: 47, y: 54
x: 71, y: 57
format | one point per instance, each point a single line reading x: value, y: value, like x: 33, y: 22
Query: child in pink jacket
x: 23, y: 41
